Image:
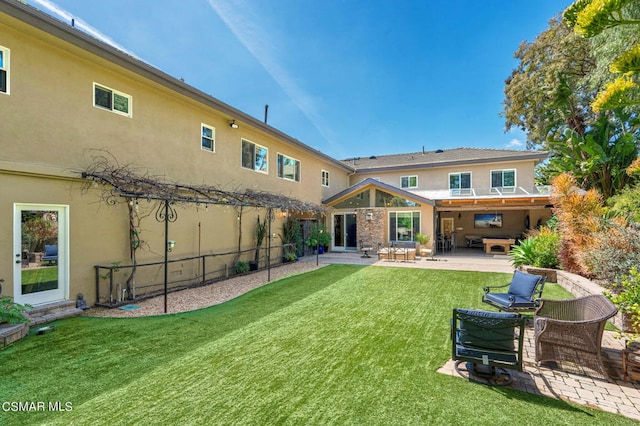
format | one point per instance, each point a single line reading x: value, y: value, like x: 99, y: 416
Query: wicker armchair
x: 571, y: 330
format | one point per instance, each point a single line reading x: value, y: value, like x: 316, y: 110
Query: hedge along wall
x: 575, y: 284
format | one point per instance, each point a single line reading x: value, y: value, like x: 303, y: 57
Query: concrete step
x: 43, y: 314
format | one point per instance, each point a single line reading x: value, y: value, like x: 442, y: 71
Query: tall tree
x: 547, y: 93
x: 552, y: 96
x: 595, y: 18
x: 599, y: 158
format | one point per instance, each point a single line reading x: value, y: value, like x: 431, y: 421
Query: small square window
x: 325, y: 178
x: 503, y: 181
x: 288, y: 168
x: 112, y: 100
x: 255, y: 157
x: 409, y: 182
x: 460, y: 183
x: 4, y: 70
x: 208, y: 138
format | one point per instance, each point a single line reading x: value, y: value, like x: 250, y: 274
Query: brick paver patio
x: 570, y: 382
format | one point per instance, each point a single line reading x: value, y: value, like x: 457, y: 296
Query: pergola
x: 122, y: 181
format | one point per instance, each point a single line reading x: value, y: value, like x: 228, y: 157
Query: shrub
x: 241, y: 267
x: 626, y: 203
x: 12, y: 312
x: 539, y: 250
x: 615, y: 252
x: 522, y: 254
x: 627, y: 297
x: 579, y: 216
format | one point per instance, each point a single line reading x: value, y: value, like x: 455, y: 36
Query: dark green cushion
x: 476, y: 329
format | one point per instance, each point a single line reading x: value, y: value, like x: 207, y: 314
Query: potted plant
x: 312, y: 243
x: 291, y: 238
x: 628, y: 300
x: 323, y: 238
x: 260, y: 233
x: 423, y: 244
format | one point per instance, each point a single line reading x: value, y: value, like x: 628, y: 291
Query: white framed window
x: 255, y: 157
x: 403, y: 226
x: 208, y: 138
x: 460, y: 183
x: 112, y: 100
x: 325, y: 178
x: 4, y: 70
x: 288, y: 168
x: 503, y: 181
x: 409, y: 181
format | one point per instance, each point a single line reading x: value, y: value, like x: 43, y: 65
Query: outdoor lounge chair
x: 490, y: 343
x: 50, y: 254
x: 571, y: 330
x: 522, y: 294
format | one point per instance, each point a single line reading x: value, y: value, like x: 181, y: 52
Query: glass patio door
x: 40, y: 253
x: 344, y: 232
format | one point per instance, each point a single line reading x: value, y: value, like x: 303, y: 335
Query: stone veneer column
x: 371, y: 231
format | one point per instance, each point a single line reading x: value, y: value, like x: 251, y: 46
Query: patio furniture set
x: 397, y: 251
x: 487, y: 345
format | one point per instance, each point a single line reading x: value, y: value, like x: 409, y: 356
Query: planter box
x: 10, y: 333
x: 550, y: 274
x: 627, y: 326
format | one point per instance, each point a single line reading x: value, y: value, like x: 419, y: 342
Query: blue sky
x: 347, y: 77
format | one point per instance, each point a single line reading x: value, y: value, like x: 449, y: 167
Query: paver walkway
x: 568, y: 383
x: 574, y: 384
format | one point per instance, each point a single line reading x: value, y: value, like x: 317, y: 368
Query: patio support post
x: 166, y: 252
x: 165, y: 213
x: 318, y: 239
x: 269, y: 218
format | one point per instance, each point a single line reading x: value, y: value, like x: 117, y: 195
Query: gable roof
x: 353, y: 189
x: 440, y: 158
x: 63, y: 31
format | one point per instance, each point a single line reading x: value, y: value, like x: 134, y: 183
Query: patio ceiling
x: 493, y: 204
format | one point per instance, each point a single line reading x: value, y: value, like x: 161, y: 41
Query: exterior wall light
x: 170, y: 245
x: 233, y: 124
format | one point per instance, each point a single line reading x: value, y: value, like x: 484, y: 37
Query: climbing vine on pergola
x: 124, y: 182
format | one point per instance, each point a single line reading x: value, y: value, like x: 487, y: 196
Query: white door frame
x: 48, y: 296
x: 334, y: 242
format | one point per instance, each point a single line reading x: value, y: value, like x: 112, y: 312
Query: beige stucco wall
x: 49, y: 118
x: 435, y: 178
x: 51, y: 131
x: 98, y: 232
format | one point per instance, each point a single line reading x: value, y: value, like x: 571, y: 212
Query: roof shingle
x: 441, y: 158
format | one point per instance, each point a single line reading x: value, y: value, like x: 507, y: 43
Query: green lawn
x: 341, y: 345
